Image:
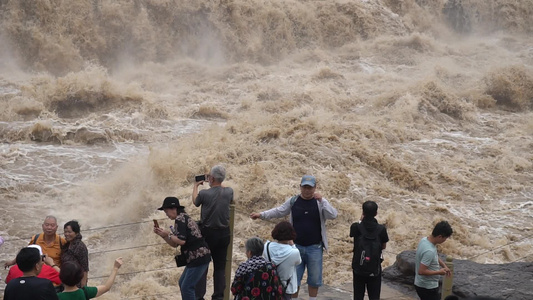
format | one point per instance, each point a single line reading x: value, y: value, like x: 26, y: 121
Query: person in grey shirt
x: 428, y: 265
x: 214, y: 218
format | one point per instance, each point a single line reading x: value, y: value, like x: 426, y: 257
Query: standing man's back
x: 215, y: 206
x: 29, y: 286
x: 215, y: 203
x: 370, y: 238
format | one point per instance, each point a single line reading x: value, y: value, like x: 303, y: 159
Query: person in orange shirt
x: 49, y: 241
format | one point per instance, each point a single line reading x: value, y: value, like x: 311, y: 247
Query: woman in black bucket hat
x: 185, y: 233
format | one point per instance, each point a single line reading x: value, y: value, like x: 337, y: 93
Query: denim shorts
x: 312, y: 259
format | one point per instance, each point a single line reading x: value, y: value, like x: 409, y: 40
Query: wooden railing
x: 447, y: 281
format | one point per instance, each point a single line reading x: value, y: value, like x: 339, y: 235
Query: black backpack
x: 367, y: 252
x: 34, y: 240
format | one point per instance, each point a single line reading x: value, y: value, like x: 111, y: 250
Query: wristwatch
x: 169, y: 236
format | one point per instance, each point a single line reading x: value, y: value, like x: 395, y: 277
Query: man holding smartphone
x: 214, y: 218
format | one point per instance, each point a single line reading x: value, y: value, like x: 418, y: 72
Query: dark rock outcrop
x: 512, y: 281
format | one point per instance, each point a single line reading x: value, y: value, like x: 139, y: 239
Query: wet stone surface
x: 506, y: 281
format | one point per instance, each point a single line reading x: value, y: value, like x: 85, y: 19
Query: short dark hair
x: 27, y: 258
x: 71, y: 273
x: 443, y: 229
x: 284, y: 231
x: 370, y: 209
x: 74, y: 225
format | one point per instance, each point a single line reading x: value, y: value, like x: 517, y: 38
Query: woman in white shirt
x: 285, y: 256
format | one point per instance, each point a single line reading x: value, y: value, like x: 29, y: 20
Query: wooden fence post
x: 447, y: 282
x: 229, y: 255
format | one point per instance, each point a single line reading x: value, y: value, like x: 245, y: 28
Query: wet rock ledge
x: 513, y: 281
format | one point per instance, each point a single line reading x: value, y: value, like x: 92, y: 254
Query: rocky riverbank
x: 389, y: 291
x: 512, y: 281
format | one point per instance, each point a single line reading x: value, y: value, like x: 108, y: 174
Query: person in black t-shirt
x: 308, y: 214
x: 29, y: 286
x: 361, y: 279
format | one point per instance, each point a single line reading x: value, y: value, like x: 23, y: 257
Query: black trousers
x: 371, y: 283
x: 218, y: 241
x: 427, y: 294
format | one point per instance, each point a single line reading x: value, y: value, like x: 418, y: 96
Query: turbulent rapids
x: 422, y: 106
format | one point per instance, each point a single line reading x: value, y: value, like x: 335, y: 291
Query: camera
x: 198, y: 178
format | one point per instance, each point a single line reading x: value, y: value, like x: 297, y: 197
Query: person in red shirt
x: 47, y: 272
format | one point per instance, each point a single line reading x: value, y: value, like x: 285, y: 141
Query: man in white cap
x: 50, y: 272
x: 308, y: 214
x: 29, y: 286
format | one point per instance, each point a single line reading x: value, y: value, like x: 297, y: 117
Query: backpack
x: 367, y: 252
x: 288, y: 280
x: 34, y: 240
x: 261, y: 284
x: 293, y: 199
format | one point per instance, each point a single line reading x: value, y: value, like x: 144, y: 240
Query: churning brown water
x: 108, y: 106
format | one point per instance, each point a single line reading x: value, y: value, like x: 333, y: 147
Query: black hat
x: 171, y: 202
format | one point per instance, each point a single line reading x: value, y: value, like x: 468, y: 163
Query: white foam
x: 52, y: 166
x: 7, y: 90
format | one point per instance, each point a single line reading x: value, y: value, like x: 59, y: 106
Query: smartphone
x: 198, y: 178
x: 156, y: 224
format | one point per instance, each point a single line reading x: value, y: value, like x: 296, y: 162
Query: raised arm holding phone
x: 215, y: 202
